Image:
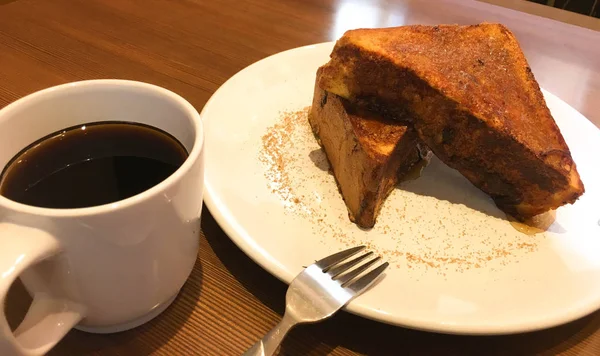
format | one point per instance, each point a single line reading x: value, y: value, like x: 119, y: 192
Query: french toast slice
x: 367, y: 153
x: 472, y: 99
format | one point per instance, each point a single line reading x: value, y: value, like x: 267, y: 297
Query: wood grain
x: 547, y: 10
x: 192, y: 47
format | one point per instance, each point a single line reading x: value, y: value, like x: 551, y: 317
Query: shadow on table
x: 372, y: 338
x: 268, y: 289
x: 155, y: 333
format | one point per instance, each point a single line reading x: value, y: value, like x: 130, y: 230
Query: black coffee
x: 91, y: 164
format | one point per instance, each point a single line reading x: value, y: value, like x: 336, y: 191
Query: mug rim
x: 193, y: 156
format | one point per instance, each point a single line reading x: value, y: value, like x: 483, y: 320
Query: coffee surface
x: 91, y: 164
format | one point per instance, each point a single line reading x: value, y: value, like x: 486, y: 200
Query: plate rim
x: 251, y: 249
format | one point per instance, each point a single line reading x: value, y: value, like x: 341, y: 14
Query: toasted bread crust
x: 474, y: 101
x: 367, y: 153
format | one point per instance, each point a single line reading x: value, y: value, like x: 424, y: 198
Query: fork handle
x: 271, y: 341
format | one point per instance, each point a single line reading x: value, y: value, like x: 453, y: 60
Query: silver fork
x: 319, y: 291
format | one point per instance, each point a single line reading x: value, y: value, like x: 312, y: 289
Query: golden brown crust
x: 475, y: 103
x: 377, y: 135
x: 367, y: 154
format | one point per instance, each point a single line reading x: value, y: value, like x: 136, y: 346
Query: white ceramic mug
x: 106, y: 268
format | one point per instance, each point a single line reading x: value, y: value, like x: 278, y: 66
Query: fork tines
x: 350, y: 273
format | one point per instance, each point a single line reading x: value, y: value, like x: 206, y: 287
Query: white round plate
x: 457, y: 264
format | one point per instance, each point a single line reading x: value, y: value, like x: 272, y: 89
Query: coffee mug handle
x: 48, y: 319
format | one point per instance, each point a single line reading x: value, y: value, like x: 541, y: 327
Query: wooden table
x: 192, y: 47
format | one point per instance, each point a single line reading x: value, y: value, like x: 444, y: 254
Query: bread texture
x: 471, y: 97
